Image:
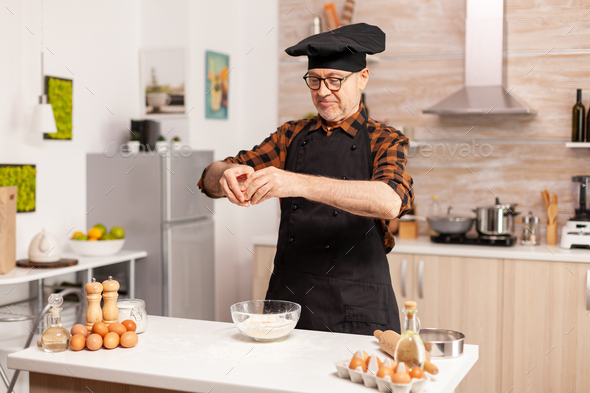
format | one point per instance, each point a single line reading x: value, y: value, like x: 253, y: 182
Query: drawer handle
x: 403, y: 274
x: 421, y: 279
x: 588, y: 290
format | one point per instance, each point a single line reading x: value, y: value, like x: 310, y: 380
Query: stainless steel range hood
x: 483, y: 92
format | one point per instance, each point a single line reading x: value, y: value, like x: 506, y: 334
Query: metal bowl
x: 442, y: 343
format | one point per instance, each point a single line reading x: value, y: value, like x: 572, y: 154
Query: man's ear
x: 363, y: 78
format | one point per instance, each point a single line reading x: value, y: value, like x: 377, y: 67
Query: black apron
x: 331, y: 262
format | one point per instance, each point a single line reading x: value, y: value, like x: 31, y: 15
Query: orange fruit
x: 91, y: 239
x: 77, y: 234
x: 95, y: 233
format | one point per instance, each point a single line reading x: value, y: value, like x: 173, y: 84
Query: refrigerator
x: 157, y: 202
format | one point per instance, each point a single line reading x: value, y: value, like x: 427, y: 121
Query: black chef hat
x: 342, y: 49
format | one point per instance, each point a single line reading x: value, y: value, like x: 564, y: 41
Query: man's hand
x: 271, y: 182
x: 232, y: 184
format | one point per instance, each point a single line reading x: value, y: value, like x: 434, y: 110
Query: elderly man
x: 340, y: 176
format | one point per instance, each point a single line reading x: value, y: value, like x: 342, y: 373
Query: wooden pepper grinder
x: 110, y: 311
x: 93, y: 313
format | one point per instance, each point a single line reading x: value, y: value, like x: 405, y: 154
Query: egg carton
x: 370, y: 380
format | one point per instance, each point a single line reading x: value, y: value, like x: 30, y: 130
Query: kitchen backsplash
x: 466, y: 161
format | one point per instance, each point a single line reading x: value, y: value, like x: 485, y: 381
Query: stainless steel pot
x: 497, y: 220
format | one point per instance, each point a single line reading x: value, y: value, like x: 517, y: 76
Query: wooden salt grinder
x: 110, y: 311
x: 93, y: 313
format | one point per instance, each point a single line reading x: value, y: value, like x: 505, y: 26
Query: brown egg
x: 401, y: 377
x: 94, y: 341
x: 111, y: 340
x: 383, y: 371
x: 79, y: 329
x: 78, y: 341
x: 129, y: 325
x: 417, y: 372
x: 100, y: 328
x: 117, y: 328
x: 357, y: 362
x: 129, y: 339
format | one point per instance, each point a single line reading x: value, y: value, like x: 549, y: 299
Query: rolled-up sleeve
x: 389, y: 164
x: 271, y: 152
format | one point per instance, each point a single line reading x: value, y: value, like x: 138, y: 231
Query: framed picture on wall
x: 163, y: 79
x: 216, y: 85
x: 59, y: 93
x: 25, y: 178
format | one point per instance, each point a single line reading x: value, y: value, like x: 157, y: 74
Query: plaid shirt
x: 388, y: 151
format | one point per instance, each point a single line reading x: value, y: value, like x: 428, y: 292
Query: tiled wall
x: 424, y: 63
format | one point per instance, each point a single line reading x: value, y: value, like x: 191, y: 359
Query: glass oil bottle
x: 55, y: 338
x: 410, y: 348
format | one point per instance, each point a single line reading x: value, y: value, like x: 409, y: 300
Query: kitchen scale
x: 576, y: 232
x: 481, y: 240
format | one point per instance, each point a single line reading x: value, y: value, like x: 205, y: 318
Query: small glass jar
x: 530, y: 230
x: 133, y: 309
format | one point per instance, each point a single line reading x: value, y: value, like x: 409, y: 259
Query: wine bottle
x: 578, y: 120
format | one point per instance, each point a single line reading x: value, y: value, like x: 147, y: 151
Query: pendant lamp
x: 43, y: 118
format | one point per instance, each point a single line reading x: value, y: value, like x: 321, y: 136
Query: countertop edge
x: 423, y: 246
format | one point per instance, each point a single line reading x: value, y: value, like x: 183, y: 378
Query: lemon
x: 118, y: 232
x: 92, y: 239
x: 95, y: 233
x: 102, y: 228
x: 76, y: 234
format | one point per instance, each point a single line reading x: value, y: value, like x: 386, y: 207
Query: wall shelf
x: 578, y: 145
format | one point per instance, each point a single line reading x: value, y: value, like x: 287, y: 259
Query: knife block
x: 408, y: 229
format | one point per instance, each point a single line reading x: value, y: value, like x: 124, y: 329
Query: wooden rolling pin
x: 388, y: 341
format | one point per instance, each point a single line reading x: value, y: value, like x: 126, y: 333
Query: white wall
x: 98, y: 42
x: 101, y: 48
x: 234, y: 27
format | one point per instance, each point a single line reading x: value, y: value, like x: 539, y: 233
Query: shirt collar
x: 350, y: 125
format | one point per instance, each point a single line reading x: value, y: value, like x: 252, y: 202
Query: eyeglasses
x: 333, y: 84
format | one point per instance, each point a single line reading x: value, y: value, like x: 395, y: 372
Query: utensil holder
x: 408, y: 229
x: 552, y: 234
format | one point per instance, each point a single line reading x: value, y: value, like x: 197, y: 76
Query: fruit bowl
x: 100, y: 248
x: 265, y: 320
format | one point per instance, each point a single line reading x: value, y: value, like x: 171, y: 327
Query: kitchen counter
x: 191, y: 355
x: 424, y: 246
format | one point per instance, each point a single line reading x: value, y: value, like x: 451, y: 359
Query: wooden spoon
x: 552, y: 213
x: 546, y: 200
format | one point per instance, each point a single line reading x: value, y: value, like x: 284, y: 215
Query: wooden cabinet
x: 546, y: 335
x: 462, y: 294
x: 263, y: 264
x: 531, y: 319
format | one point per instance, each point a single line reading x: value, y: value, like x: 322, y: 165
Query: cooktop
x: 500, y: 241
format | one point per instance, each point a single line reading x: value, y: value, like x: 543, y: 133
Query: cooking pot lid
x: 503, y: 206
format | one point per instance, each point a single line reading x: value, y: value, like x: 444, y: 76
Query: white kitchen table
x: 203, y: 356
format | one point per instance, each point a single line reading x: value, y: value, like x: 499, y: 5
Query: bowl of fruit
x: 98, y: 242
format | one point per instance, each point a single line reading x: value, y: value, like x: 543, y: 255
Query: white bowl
x: 99, y: 248
x: 265, y: 320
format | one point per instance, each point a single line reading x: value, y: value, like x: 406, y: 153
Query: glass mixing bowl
x: 265, y: 320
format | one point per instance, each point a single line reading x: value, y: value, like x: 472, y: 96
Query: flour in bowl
x: 266, y: 326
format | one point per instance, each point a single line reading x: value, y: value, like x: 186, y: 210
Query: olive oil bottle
x: 410, y: 348
x: 55, y: 338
